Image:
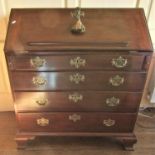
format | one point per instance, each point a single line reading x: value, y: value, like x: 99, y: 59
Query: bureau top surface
x: 49, y: 29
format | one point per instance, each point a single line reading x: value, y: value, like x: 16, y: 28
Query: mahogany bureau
x: 77, y: 72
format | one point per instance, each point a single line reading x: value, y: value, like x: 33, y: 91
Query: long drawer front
x: 88, y: 80
x: 84, y: 62
x: 77, y: 101
x: 76, y: 122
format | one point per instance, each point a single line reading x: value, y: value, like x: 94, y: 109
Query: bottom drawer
x: 76, y: 122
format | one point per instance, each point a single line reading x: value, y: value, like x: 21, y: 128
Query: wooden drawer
x: 76, y: 122
x: 77, y: 101
x: 78, y: 62
x: 90, y: 80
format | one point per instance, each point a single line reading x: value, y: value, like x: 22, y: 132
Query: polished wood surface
x: 90, y: 101
x: 88, y: 122
x: 94, y: 80
x: 77, y: 85
x: 63, y: 62
x: 105, y: 29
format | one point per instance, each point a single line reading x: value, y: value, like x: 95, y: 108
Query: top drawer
x: 77, y: 62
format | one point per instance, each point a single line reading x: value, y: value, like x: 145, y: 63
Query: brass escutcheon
x: 78, y: 27
x: 77, y: 78
x: 116, y: 80
x: 108, y: 122
x: 119, y: 62
x: 74, y: 117
x: 37, y: 62
x: 113, y: 101
x: 75, y: 97
x: 77, y: 62
x: 43, y: 122
x: 39, y: 80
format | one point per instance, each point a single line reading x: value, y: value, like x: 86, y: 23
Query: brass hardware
x: 113, y: 101
x: 39, y: 80
x: 116, y: 80
x: 42, y: 101
x: 77, y: 62
x: 75, y: 97
x: 43, y: 122
x: 37, y: 62
x: 77, y: 78
x: 78, y: 26
x: 109, y: 122
x: 119, y: 62
x: 74, y: 117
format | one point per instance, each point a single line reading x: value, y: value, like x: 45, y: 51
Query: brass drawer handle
x: 116, y: 80
x: 77, y: 78
x: 75, y: 97
x: 113, y: 101
x: 42, y: 122
x: 74, y: 117
x: 37, y: 62
x: 77, y: 62
x: 39, y: 80
x: 108, y: 122
x: 42, y: 101
x: 119, y: 62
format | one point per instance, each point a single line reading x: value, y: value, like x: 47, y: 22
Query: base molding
x: 22, y: 140
x: 127, y: 140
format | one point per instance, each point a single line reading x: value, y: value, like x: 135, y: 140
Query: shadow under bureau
x: 77, y: 76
